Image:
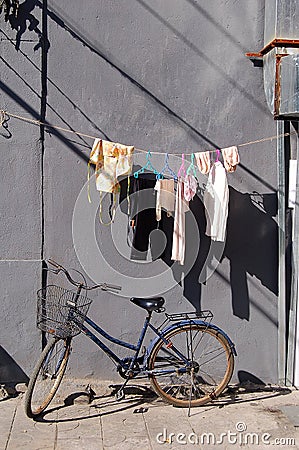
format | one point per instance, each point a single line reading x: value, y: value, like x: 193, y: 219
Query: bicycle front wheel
x: 193, y: 367
x: 47, y: 376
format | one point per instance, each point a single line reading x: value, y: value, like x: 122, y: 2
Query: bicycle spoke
x: 47, y: 376
x: 207, y: 370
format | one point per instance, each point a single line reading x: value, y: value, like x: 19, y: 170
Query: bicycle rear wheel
x: 208, y: 371
x: 47, y: 376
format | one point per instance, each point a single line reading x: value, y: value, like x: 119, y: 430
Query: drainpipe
x: 281, y: 254
x: 280, y: 57
x: 292, y: 372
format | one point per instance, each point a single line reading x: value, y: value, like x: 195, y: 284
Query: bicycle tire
x: 212, y: 365
x: 46, y: 376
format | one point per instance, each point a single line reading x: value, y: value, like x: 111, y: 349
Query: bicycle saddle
x: 150, y: 304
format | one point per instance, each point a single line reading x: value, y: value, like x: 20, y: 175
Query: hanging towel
x: 111, y: 160
x: 230, y: 158
x: 125, y: 159
x: 203, y: 162
x: 181, y: 207
x: 165, y: 197
x: 215, y: 199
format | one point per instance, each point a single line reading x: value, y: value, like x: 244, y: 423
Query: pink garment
x: 230, y: 158
x: 190, y: 187
x: 181, y: 207
x: 203, y: 162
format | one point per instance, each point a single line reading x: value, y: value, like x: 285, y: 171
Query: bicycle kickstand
x: 120, y: 394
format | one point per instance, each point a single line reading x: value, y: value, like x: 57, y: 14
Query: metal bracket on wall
x: 258, y: 56
x: 272, y: 44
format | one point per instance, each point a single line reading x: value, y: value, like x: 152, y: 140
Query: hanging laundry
x: 230, y: 158
x: 144, y: 232
x: 190, y: 181
x: 216, y: 198
x: 142, y: 214
x: 111, y: 160
x: 181, y: 207
x: 165, y: 197
x: 203, y: 162
x: 190, y: 187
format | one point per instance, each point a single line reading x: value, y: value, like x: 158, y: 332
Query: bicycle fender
x: 187, y: 322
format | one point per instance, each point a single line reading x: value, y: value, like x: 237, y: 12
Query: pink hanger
x: 182, y: 168
x: 218, y: 154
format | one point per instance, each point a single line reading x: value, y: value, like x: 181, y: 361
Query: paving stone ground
x: 246, y: 418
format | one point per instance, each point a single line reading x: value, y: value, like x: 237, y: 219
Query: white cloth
x: 165, y: 197
x: 216, y: 198
x: 181, y: 207
x: 112, y: 160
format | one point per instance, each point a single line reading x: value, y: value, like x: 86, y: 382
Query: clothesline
x: 4, y: 113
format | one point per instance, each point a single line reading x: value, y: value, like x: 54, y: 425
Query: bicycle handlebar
x: 53, y: 263
x: 60, y: 268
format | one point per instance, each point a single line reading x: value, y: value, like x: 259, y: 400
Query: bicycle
x: 189, y: 362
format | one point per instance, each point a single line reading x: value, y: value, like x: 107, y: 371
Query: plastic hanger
x: 192, y: 166
x: 182, y: 170
x: 148, y: 165
x: 166, y: 169
x: 217, y: 157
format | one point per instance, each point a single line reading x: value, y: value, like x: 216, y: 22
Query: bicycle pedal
x: 90, y: 393
x: 140, y: 410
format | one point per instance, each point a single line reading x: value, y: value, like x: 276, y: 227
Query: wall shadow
x: 251, y: 245
x: 191, y: 285
x: 24, y: 20
x: 217, y: 67
x: 10, y: 371
x: 247, y: 377
x: 14, y: 96
x: 83, y: 142
x: 62, y: 21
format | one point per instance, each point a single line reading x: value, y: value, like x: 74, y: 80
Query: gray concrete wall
x: 167, y: 76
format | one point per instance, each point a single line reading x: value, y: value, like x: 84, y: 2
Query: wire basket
x: 56, y: 316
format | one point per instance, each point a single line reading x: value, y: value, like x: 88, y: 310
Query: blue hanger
x: 165, y: 169
x: 148, y: 165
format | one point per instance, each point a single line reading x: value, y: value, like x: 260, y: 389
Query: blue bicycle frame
x: 160, y: 335
x: 121, y: 343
